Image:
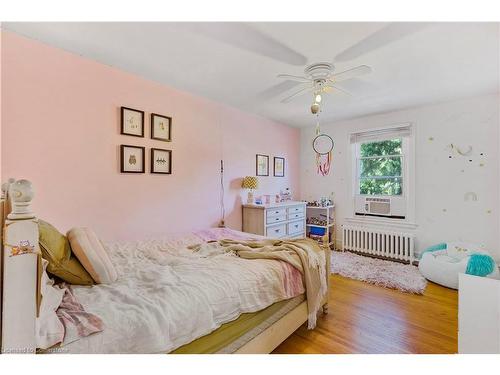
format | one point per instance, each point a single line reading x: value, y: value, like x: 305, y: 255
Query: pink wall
x: 1, y: 89
x: 61, y: 130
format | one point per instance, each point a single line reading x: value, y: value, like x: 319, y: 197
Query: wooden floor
x: 364, y: 318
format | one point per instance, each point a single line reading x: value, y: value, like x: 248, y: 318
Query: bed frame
x: 20, y: 270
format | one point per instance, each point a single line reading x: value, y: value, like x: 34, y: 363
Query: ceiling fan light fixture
x: 315, y: 108
x: 317, y: 98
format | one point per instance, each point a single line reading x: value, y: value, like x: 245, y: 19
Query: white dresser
x: 276, y: 220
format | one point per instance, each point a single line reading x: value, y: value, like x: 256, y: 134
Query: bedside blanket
x: 303, y: 254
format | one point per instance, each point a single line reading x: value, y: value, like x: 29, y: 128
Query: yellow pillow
x: 57, y: 251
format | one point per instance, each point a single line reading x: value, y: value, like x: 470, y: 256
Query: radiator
x: 396, y: 245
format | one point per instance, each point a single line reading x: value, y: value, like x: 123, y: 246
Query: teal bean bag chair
x: 442, y: 263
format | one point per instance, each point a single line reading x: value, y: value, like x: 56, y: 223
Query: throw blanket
x: 77, y: 322
x: 303, y: 254
x: 62, y: 318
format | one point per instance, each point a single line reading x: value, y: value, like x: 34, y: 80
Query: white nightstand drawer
x: 276, y: 231
x: 275, y: 212
x: 296, y: 210
x: 295, y: 227
x: 276, y: 219
x: 293, y: 216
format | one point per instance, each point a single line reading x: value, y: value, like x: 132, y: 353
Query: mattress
x: 167, y: 296
x: 233, y: 335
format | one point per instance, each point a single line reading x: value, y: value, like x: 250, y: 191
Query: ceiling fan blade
x: 351, y: 73
x: 278, y: 89
x: 357, y: 85
x: 335, y: 87
x: 296, y: 94
x: 294, y: 78
x: 380, y: 38
x: 247, y: 37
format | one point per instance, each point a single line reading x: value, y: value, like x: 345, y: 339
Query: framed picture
x: 262, y: 165
x: 279, y: 167
x: 161, y: 161
x: 132, y: 122
x: 161, y: 127
x: 132, y: 159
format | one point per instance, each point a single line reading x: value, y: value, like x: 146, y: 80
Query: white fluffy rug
x: 403, y: 277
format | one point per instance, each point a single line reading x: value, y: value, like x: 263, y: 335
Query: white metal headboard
x: 19, y: 269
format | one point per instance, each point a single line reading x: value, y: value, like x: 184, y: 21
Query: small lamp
x: 250, y: 182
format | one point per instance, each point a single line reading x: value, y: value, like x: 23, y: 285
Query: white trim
x: 380, y: 134
x: 382, y: 222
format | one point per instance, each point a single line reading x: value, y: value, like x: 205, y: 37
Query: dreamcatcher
x: 322, y: 145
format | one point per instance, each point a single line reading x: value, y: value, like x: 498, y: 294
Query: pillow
x: 90, y: 252
x: 461, y: 250
x: 57, y: 251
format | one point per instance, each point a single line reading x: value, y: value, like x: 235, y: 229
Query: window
x: 383, y: 173
x: 380, y: 167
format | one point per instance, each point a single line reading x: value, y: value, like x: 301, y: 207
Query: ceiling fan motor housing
x: 319, y: 71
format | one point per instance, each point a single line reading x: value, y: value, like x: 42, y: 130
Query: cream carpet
x: 394, y: 275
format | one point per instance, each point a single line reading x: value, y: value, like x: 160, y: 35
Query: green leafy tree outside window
x: 380, y: 167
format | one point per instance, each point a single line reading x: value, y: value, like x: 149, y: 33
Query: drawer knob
x: 277, y: 230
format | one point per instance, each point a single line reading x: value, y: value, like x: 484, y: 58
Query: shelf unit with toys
x: 320, y: 224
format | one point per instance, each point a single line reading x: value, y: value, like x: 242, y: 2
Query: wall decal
x: 454, y: 149
x: 470, y: 196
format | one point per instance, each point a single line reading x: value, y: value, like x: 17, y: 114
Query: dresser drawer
x: 276, y: 231
x: 276, y: 219
x: 296, y: 210
x: 294, y: 216
x: 275, y: 212
x: 295, y: 227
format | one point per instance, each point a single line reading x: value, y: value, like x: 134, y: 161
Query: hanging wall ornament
x: 323, y: 146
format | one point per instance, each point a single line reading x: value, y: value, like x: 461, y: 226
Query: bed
x: 223, y: 304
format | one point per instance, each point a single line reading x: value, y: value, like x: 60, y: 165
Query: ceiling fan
x: 321, y: 78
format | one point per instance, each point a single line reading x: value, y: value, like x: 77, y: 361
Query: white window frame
x: 408, y: 175
x: 357, y: 178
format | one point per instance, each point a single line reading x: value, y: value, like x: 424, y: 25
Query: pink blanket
x: 77, y: 322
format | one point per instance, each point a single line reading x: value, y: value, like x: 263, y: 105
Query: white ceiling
x: 235, y: 63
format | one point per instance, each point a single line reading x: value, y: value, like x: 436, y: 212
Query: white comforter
x: 167, y: 296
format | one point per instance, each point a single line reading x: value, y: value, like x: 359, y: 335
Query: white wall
x: 442, y: 214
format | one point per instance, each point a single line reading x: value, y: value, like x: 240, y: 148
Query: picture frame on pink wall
x: 132, y: 159
x: 262, y: 165
x: 132, y: 122
x: 161, y: 161
x: 161, y: 127
x: 279, y: 167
